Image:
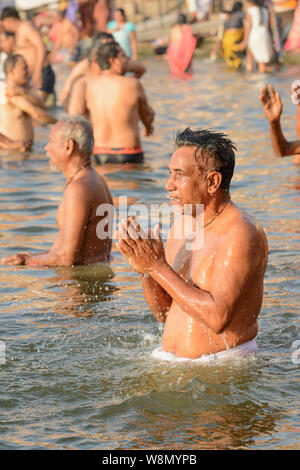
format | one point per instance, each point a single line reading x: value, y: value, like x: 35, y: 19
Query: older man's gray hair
x: 80, y: 130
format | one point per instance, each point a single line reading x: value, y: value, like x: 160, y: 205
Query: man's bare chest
x: 193, y: 265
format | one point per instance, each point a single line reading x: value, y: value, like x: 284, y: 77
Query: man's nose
x: 170, y: 185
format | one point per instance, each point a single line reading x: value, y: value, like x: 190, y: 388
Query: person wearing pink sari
x: 181, y: 47
x: 293, y: 40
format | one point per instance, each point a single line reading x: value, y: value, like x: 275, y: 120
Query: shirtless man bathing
x: 69, y: 150
x: 29, y: 44
x: 82, y: 69
x: 209, y: 295
x: 20, y: 104
x: 115, y: 104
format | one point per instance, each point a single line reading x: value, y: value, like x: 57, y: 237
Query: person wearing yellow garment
x: 233, y: 35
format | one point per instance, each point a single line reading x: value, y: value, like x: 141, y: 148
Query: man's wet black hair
x: 9, y: 12
x: 98, y: 39
x: 105, y: 52
x: 213, y: 152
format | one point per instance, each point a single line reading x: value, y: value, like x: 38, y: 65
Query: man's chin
x: 54, y: 168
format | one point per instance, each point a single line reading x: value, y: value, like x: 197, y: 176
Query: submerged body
x: 207, y: 286
x: 80, y: 241
x: 19, y: 108
x: 90, y: 187
x: 114, y: 103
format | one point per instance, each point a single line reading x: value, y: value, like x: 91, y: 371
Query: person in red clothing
x: 181, y: 47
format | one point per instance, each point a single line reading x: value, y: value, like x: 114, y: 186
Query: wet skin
x: 115, y: 104
x: 208, y: 296
x: 77, y: 241
x: 17, y: 114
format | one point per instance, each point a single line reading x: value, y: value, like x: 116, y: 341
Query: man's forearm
x: 147, y: 118
x: 196, y: 302
x: 298, y: 121
x: 281, y: 146
x: 44, y: 117
x: 49, y: 258
x: 6, y: 143
x: 158, y: 300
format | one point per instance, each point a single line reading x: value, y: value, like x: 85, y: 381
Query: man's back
x: 113, y: 103
x: 86, y: 194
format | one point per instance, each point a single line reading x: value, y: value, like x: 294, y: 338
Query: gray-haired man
x: 69, y: 149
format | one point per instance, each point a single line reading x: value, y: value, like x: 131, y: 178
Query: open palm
x: 271, y: 103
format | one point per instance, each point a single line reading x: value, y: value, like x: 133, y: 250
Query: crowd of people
x: 200, y: 293
x: 262, y: 30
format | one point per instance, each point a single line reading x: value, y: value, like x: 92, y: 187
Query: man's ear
x: 214, y: 179
x: 111, y: 61
x: 69, y: 146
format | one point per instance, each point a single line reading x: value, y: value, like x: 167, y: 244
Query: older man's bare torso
x: 184, y: 335
x: 90, y: 249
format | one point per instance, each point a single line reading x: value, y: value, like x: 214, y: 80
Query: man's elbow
x: 285, y: 150
x: 220, y: 324
x: 281, y: 152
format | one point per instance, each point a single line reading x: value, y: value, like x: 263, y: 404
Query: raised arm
x: 146, y: 113
x: 136, y: 68
x: 36, y: 112
x: 272, y: 106
x: 77, y: 71
x: 15, y: 90
x: 77, y: 102
x: 133, y: 45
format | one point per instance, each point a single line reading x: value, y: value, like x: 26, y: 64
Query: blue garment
x: 72, y: 11
x: 122, y: 37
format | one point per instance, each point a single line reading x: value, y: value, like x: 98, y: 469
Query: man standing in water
x: 272, y: 106
x: 69, y: 150
x: 115, y: 104
x: 29, y: 44
x: 208, y: 293
x: 18, y: 110
x: 75, y: 83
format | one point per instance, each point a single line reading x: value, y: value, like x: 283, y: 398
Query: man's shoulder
x: 85, y: 186
x: 243, y: 228
x: 26, y: 25
x: 81, y: 82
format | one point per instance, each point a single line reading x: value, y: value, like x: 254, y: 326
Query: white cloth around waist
x: 242, y: 350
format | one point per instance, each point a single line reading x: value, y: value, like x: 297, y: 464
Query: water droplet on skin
x: 225, y: 342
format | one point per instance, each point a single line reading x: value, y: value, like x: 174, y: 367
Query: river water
x: 78, y: 371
